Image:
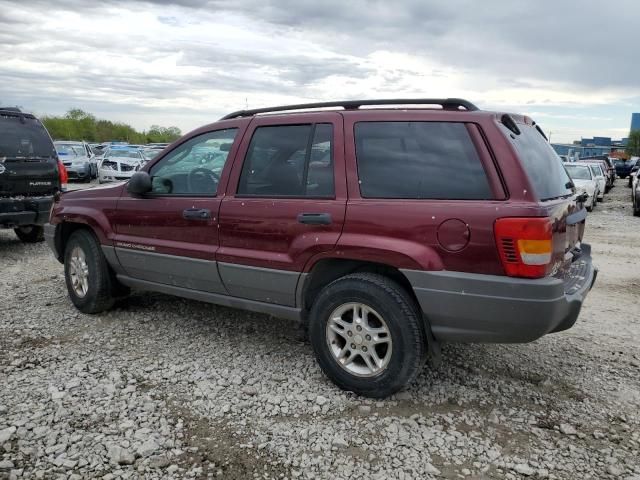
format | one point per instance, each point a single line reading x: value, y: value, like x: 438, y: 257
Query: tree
x: 77, y: 124
x: 633, y: 145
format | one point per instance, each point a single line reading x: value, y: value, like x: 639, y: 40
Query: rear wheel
x: 30, y: 233
x: 367, y: 334
x: 91, y: 284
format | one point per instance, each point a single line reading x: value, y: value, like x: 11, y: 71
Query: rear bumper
x: 16, y: 212
x: 466, y: 307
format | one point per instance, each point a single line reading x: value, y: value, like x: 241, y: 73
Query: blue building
x: 577, y: 149
x: 635, y: 121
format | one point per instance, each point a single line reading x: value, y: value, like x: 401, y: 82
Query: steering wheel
x: 201, y: 180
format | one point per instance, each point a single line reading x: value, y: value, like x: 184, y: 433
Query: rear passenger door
x: 285, y: 203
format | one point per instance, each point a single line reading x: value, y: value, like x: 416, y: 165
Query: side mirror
x: 636, y: 168
x: 139, y: 184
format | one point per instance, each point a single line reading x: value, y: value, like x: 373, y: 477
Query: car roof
x: 579, y: 164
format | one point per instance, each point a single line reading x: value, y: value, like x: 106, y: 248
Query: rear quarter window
x: 419, y: 160
x: 544, y: 168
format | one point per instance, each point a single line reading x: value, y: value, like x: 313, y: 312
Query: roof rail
x: 446, y: 103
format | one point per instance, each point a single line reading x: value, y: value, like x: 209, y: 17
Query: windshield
x: 24, y: 140
x: 544, y: 168
x: 123, y: 153
x: 69, y: 149
x: 578, y: 172
x: 151, y: 153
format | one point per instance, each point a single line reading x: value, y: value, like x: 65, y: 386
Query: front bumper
x: 79, y: 171
x: 106, y: 175
x: 469, y: 307
x: 16, y: 212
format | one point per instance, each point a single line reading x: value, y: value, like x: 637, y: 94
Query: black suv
x: 30, y: 174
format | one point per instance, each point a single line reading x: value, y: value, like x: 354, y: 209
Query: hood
x: 110, y: 190
x: 584, y: 183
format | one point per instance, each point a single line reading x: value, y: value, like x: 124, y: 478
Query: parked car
x: 623, y: 167
x: 30, y: 174
x: 119, y: 163
x: 633, y: 173
x: 635, y: 194
x: 585, y: 182
x: 611, y: 173
x: 386, y: 231
x: 151, y: 152
x: 78, y: 158
x: 601, y: 179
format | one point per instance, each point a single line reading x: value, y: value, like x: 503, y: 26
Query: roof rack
x: 446, y: 103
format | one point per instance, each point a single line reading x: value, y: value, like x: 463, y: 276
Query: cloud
x: 193, y: 59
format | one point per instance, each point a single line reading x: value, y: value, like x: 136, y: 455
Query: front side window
x: 419, y: 160
x: 596, y: 170
x: 289, y: 161
x: 195, y: 167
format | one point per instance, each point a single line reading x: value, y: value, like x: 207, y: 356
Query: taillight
x: 525, y: 246
x: 63, y: 175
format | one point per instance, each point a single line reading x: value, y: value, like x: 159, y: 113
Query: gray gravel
x: 168, y: 388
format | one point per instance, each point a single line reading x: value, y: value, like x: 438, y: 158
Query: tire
x: 30, y: 233
x: 102, y: 287
x: 384, y: 298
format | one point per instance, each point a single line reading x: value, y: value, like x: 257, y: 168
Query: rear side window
x: 289, y: 161
x: 419, y: 160
x: 545, y: 170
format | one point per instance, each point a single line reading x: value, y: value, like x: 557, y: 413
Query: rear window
x: 545, y: 170
x: 419, y: 160
x: 23, y: 138
x: 578, y: 172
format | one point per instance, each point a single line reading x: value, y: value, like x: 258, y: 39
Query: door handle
x: 315, y: 218
x: 196, y: 214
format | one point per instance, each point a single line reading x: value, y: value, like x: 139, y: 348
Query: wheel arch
x: 326, y: 270
x: 64, y: 230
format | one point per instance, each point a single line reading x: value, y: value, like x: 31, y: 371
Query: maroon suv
x: 385, y: 230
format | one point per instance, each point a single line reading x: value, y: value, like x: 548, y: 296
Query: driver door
x: 170, y: 236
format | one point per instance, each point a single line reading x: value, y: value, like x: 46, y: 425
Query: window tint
x: 419, y: 160
x: 195, y: 166
x: 289, y: 161
x: 545, y: 169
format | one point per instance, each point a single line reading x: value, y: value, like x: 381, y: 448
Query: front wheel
x: 367, y: 334
x: 91, y: 284
x: 30, y: 233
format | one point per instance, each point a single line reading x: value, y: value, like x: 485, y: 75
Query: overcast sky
x: 571, y: 64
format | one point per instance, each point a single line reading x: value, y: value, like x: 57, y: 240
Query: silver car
x: 119, y: 163
x: 78, y: 158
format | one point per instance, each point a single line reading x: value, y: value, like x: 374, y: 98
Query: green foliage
x: 77, y: 124
x: 633, y: 147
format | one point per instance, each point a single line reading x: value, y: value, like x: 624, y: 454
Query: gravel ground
x: 168, y: 388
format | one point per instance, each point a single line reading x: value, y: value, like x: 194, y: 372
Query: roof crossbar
x: 446, y: 103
